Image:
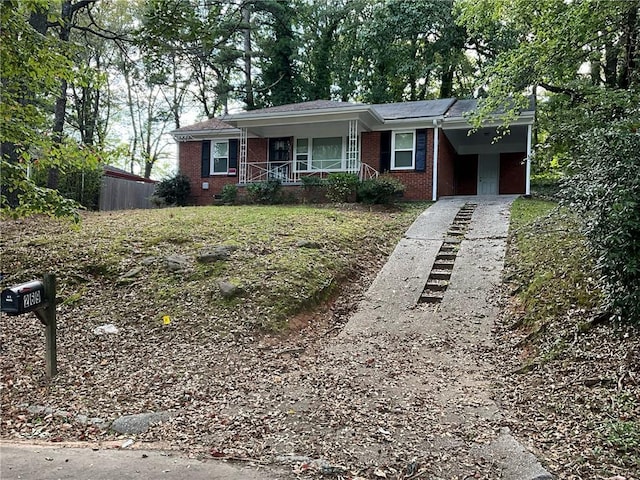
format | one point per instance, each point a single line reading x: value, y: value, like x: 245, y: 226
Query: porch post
x: 243, y: 155
x: 528, y: 168
x: 436, y: 141
x: 353, y: 153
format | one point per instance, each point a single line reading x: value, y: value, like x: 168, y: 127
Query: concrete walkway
x: 418, y: 375
x: 454, y: 336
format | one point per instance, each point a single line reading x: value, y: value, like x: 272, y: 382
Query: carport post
x: 436, y: 135
x: 528, y: 179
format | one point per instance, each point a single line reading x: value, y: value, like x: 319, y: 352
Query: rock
x: 176, y: 263
x: 134, y: 424
x: 108, y: 329
x: 131, y: 273
x: 219, y: 253
x: 146, y: 261
x: 228, y: 289
x: 307, y: 244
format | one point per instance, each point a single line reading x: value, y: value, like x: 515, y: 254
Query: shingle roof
x: 210, y: 124
x: 300, y: 107
x: 463, y: 107
x: 419, y: 109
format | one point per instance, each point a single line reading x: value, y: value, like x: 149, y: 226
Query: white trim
x: 212, y: 158
x: 527, y: 185
x: 393, y: 150
x: 436, y: 146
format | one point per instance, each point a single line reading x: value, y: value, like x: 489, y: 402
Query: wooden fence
x: 121, y: 194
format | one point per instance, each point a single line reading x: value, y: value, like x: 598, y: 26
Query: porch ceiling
x: 483, y: 140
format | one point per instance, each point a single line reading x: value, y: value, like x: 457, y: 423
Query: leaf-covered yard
x: 203, y: 361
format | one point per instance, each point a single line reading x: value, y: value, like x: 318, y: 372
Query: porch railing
x: 264, y: 171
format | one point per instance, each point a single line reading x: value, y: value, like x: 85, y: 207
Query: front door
x: 488, y: 174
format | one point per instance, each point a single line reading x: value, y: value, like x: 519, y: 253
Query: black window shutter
x: 233, y: 155
x: 385, y: 151
x: 421, y: 150
x: 206, y: 158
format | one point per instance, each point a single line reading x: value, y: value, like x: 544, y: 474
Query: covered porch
x: 287, y: 144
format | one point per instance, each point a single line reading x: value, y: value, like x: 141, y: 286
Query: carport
x: 482, y: 162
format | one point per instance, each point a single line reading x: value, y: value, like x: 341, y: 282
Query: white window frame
x: 212, y: 158
x: 309, y: 154
x: 393, y: 150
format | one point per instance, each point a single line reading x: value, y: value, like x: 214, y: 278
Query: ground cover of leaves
x: 225, y: 369
x: 572, y: 385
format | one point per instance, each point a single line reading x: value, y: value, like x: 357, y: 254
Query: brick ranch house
x: 427, y: 145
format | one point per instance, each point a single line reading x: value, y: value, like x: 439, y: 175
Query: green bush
x: 342, y: 187
x: 312, y: 181
x: 264, y: 193
x: 605, y: 190
x: 383, y: 189
x: 229, y: 193
x: 174, y: 190
x: 546, y: 185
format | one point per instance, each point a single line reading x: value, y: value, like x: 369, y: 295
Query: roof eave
x: 185, y: 136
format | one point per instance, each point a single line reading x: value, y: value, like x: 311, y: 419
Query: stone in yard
x: 148, y: 261
x: 134, y: 424
x: 228, y: 289
x: 176, y: 263
x: 108, y: 329
x: 210, y: 255
x: 130, y: 275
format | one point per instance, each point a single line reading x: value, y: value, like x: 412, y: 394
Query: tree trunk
x: 246, y: 18
x: 630, y: 48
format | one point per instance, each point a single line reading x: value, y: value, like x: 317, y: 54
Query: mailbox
x: 23, y: 298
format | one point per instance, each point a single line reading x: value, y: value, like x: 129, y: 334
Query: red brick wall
x: 190, y: 164
x: 446, y: 160
x: 512, y: 173
x: 370, y: 149
x: 466, y: 175
x: 418, y: 184
x: 257, y: 150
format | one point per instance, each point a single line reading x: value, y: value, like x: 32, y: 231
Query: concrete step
x: 430, y: 298
x: 440, y: 275
x: 443, y: 265
x: 434, y: 286
x: 446, y: 256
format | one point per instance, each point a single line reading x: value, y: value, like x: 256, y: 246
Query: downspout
x: 436, y: 141
x: 528, y: 169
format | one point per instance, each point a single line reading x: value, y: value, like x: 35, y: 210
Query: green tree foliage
x: 605, y: 189
x: 33, y: 65
x: 410, y: 50
x: 583, y: 58
x: 278, y: 83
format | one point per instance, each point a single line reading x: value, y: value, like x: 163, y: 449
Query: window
x: 402, y: 148
x: 220, y: 160
x: 319, y: 154
x: 302, y: 154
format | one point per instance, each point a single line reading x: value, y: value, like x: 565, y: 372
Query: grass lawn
x: 276, y: 277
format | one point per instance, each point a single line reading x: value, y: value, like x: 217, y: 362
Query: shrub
x: 265, y: 193
x: 383, y: 189
x: 341, y: 187
x: 174, y: 190
x: 229, y: 193
x: 605, y: 191
x: 314, y: 189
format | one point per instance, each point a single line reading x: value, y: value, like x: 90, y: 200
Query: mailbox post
x: 38, y: 297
